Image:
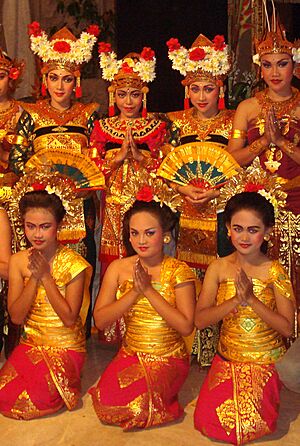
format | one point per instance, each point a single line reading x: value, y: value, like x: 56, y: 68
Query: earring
x: 167, y: 239
x: 267, y: 238
x: 228, y: 233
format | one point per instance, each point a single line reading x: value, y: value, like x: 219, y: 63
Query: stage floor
x: 82, y: 428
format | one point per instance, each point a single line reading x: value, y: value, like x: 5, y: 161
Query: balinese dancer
x: 126, y: 143
x: 48, y: 294
x: 268, y: 126
x: 253, y: 296
x: 201, y: 129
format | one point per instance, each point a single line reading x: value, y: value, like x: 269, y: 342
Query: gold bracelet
x: 256, y: 147
x: 236, y: 134
x: 289, y: 148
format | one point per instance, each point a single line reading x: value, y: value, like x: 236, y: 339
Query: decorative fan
x: 201, y: 164
x: 74, y: 165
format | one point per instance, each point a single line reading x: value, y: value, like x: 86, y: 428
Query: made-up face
x: 247, y: 231
x: 40, y: 228
x: 129, y: 102
x: 277, y: 72
x: 60, y: 85
x: 4, y: 85
x: 204, y: 96
x: 146, y: 234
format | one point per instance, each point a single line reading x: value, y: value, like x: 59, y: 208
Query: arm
x: 5, y: 245
x: 107, y: 309
x: 181, y: 317
x: 21, y: 150
x: 243, y: 153
x: 207, y: 311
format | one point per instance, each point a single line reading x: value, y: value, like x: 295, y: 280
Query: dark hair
x: 252, y: 201
x: 167, y: 219
x: 42, y: 199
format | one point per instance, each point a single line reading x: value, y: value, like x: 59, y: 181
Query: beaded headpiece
x: 53, y: 183
x: 205, y: 59
x: 274, y: 40
x: 13, y: 67
x: 134, y: 70
x: 63, y: 50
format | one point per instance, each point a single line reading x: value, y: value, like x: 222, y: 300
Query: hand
x: 197, y: 195
x: 38, y: 265
x: 141, y: 278
x: 124, y: 151
x: 137, y: 155
x: 244, y: 288
x: 272, y: 127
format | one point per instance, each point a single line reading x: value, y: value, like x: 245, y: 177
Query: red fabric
x: 153, y: 391
x: 34, y: 379
x: 212, y: 396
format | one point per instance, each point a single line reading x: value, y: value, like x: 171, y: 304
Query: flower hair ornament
x: 134, y: 70
x: 255, y: 179
x: 274, y: 40
x: 205, y: 59
x: 70, y: 230
x: 13, y: 67
x: 62, y: 50
x: 145, y: 188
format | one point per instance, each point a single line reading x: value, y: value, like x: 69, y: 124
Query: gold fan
x: 201, y: 164
x: 74, y: 165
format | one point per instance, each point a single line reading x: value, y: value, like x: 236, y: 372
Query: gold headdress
x: 274, y: 40
x: 254, y: 179
x: 134, y: 70
x: 63, y: 50
x: 13, y: 67
x: 205, y: 59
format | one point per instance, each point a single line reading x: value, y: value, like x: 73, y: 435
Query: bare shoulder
x: 247, y: 105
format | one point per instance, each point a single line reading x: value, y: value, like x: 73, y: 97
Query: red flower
x: 197, y: 54
x: 145, y: 194
x: 147, y: 53
x: 62, y: 46
x: 38, y: 186
x: 94, y: 30
x: 173, y: 44
x: 126, y: 68
x: 104, y: 47
x: 219, y: 42
x: 34, y: 29
x: 14, y: 73
x: 253, y: 187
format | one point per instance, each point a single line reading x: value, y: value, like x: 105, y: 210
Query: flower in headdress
x: 253, y: 187
x: 94, y: 30
x: 61, y: 46
x: 14, y: 73
x: 145, y: 194
x: 219, y: 42
x: 197, y: 54
x: 104, y: 47
x: 256, y: 59
x: 173, y: 44
x: 126, y: 68
x: 34, y: 29
x: 38, y: 186
x: 147, y: 53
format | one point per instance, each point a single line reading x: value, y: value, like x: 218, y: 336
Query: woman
x: 10, y: 110
x: 5, y: 254
x: 205, y: 125
x: 48, y: 294
x: 252, y: 295
x: 267, y: 126
x: 156, y: 295
x: 124, y: 144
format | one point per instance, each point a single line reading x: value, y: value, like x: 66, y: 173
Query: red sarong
x: 238, y: 402
x: 37, y: 381
x: 140, y: 390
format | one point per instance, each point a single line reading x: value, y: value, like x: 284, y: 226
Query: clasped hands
x: 272, y: 132
x: 197, y: 195
x: 244, y: 289
x: 141, y: 278
x: 37, y: 265
x: 129, y: 148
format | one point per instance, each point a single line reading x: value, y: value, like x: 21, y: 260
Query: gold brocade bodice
x: 43, y: 327
x: 146, y: 330
x: 245, y: 337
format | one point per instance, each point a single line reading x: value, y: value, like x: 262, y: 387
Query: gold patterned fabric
x: 245, y: 337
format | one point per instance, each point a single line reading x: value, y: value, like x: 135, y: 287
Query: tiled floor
x: 82, y: 428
